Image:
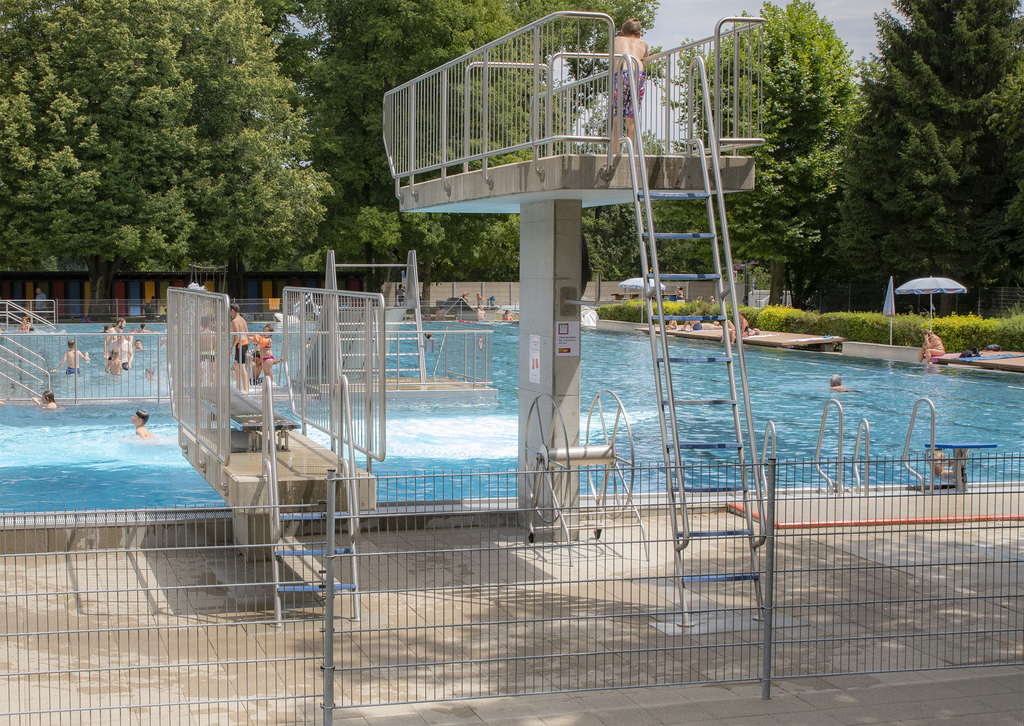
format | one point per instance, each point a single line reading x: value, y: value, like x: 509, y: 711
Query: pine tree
x: 927, y: 178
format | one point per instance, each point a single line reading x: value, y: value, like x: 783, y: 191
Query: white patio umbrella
x: 929, y: 286
x: 635, y: 283
x: 889, y: 308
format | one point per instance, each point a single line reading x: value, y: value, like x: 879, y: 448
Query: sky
x: 854, y: 20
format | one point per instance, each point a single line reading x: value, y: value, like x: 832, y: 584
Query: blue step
x: 729, y: 577
x: 311, y: 516
x: 708, y: 445
x: 700, y: 359
x: 677, y: 318
x: 721, y: 533
x: 690, y: 276
x: 682, y: 235
x: 700, y: 402
x: 657, y: 196
x: 320, y: 587
x: 312, y: 553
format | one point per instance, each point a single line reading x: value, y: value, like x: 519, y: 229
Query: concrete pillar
x: 550, y: 268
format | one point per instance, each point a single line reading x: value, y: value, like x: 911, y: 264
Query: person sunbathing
x: 931, y: 349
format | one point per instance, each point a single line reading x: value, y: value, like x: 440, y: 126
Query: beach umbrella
x: 635, y: 283
x: 929, y: 286
x: 889, y: 308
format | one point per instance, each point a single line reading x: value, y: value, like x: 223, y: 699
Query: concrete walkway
x: 991, y: 696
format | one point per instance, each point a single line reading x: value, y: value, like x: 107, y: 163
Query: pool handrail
x: 865, y: 428
x: 11, y: 338
x: 28, y: 363
x: 906, y: 446
x: 13, y: 383
x: 837, y: 485
x: 268, y: 461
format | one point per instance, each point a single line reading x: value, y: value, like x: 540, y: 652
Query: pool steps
x: 676, y: 434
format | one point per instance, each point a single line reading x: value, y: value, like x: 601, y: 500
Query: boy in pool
x: 73, y: 358
x: 140, y: 419
x: 114, y: 363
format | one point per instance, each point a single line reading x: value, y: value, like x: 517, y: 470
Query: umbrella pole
x: 929, y: 311
x: 890, y: 330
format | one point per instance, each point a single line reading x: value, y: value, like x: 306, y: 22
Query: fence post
x: 769, y: 581
x: 328, y: 666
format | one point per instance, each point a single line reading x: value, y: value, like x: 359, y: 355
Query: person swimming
x: 140, y: 419
x: 47, y: 401
x: 835, y: 384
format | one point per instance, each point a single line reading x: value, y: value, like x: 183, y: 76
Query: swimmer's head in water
x: 48, y: 397
x: 268, y: 328
x: 142, y: 416
x: 150, y: 373
x: 836, y: 380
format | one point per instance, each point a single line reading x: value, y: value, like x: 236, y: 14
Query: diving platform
x: 586, y: 177
x: 247, y: 413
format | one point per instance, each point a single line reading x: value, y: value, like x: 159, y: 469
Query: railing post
x: 328, y: 666
x: 769, y: 581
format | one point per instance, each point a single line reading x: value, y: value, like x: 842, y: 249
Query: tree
x: 364, y: 49
x: 808, y: 101
x: 134, y: 132
x: 1009, y: 121
x: 927, y: 177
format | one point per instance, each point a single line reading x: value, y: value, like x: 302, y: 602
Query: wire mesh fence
x: 158, y: 615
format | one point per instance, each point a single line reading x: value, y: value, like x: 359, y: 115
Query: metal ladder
x: 312, y: 564
x: 676, y: 442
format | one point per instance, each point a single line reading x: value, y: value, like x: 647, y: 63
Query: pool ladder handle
x: 906, y: 446
x: 863, y: 432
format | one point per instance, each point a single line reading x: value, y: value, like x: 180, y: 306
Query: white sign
x: 567, y: 338
x: 534, y: 359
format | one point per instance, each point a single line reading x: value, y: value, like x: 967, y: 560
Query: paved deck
x: 991, y: 696
x: 989, y: 361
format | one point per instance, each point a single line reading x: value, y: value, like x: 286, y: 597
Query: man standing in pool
x: 140, y: 419
x: 240, y: 342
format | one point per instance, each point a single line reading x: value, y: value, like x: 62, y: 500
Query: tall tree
x: 1009, y: 121
x: 141, y: 131
x: 808, y: 92
x: 927, y: 176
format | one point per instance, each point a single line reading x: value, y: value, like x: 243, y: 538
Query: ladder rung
x: 682, y: 235
x: 700, y: 359
x: 311, y: 516
x: 708, y: 445
x: 721, y: 533
x: 701, y: 402
x: 320, y: 587
x: 675, y: 195
x: 694, y: 276
x: 727, y: 577
x: 689, y: 317
x: 312, y: 553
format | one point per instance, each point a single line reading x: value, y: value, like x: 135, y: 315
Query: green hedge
x: 957, y: 331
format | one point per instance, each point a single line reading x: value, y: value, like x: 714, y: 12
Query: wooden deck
x: 992, y: 362
x: 767, y: 339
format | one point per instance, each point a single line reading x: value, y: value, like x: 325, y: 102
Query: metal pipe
x: 769, y: 581
x: 836, y: 486
x: 906, y: 446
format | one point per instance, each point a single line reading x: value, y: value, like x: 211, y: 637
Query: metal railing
x: 30, y: 362
x: 329, y: 334
x: 37, y: 312
x: 548, y: 89
x: 198, y: 355
x: 154, y: 616
x: 452, y: 358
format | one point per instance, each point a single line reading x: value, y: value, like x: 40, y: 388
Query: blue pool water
x: 86, y: 456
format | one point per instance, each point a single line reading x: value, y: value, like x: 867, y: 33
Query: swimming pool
x: 85, y: 456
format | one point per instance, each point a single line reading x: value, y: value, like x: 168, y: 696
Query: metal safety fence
x: 153, y: 613
x: 450, y: 357
x: 329, y: 334
x: 550, y: 88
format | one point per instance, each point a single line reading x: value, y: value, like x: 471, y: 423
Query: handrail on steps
x: 906, y: 446
x: 837, y: 485
x: 864, y: 428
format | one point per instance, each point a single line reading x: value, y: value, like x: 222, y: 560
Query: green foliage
x: 1009, y: 121
x: 957, y: 331
x: 928, y: 183
x: 808, y: 105
x: 143, y: 132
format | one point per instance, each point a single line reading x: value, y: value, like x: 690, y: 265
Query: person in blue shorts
x: 628, y: 42
x: 73, y: 359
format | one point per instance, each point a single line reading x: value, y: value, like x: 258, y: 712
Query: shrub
x: 957, y: 331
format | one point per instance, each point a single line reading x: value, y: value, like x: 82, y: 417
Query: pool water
x: 86, y: 456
